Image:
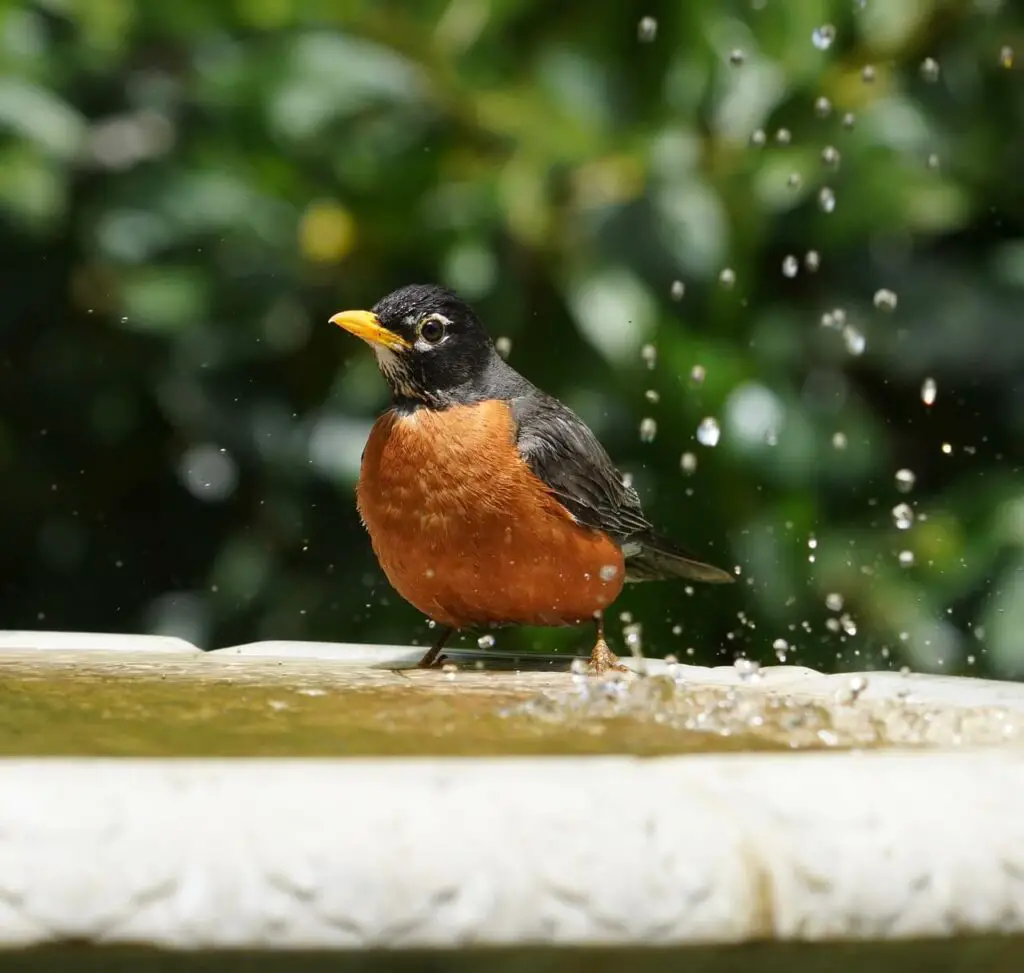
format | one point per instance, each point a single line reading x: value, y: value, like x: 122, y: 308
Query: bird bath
x: 781, y: 818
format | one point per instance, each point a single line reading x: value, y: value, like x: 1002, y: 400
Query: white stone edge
x: 358, y: 854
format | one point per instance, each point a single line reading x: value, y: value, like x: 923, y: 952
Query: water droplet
x: 647, y: 30
x: 849, y: 120
x: 688, y: 463
x: 848, y: 625
x: 578, y: 667
x: 697, y: 375
x: 867, y: 74
x: 823, y: 36
x: 930, y: 70
x: 790, y: 266
x: 503, y: 346
x: 854, y: 340
x: 826, y: 199
x: 830, y: 157
x: 903, y: 516
x: 885, y: 299
x: 812, y: 260
x: 486, y: 641
x: 932, y: 162
x: 609, y: 572
x: 727, y: 278
x: 747, y: 669
x: 758, y: 137
x: 649, y: 355
x: 781, y: 649
x: 783, y: 136
x: 450, y: 670
x: 652, y: 396
x: 947, y: 448
x: 839, y: 440
x: 678, y: 290
x: 648, y: 429
x: 822, y: 107
x: 1006, y: 56
x: 852, y: 691
x: 794, y: 180
x: 736, y: 57
x: 905, y: 480
x: 633, y: 636
x: 708, y: 432
x: 834, y: 601
x: 929, y: 391
x: 906, y: 559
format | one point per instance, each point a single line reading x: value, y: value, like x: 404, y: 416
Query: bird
x: 488, y: 502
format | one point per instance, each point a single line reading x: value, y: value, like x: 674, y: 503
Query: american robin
x: 487, y: 501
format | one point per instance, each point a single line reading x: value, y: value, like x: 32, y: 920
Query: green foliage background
x: 188, y: 190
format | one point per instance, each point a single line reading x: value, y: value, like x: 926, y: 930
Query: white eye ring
x: 432, y: 329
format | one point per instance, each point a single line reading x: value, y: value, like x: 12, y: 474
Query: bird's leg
x: 602, y: 658
x: 430, y: 658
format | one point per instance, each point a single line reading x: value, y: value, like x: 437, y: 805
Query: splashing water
x: 905, y: 480
x: 903, y: 516
x: 854, y: 340
x: 929, y: 391
x: 647, y: 30
x: 930, y: 70
x: 823, y: 37
x: 708, y: 432
x: 830, y: 157
x: 885, y: 299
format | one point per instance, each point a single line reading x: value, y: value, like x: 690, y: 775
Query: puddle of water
x: 92, y: 713
x: 199, y: 706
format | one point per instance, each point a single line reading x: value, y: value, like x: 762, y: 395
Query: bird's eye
x: 431, y: 330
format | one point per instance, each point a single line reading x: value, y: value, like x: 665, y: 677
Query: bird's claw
x: 603, y: 660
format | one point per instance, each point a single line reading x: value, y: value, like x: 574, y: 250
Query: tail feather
x: 650, y: 557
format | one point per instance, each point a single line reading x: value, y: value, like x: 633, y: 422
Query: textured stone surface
x: 339, y: 854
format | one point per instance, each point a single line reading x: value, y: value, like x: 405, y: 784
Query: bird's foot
x: 431, y: 662
x: 603, y: 660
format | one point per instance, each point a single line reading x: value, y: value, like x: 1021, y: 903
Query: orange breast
x: 466, y: 533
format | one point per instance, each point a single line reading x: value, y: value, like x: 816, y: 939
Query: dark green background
x: 189, y: 189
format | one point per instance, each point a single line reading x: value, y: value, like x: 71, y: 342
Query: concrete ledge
x: 450, y: 853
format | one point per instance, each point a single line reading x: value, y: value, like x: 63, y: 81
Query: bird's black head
x: 430, y: 346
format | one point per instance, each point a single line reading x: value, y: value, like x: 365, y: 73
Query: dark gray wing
x: 562, y: 451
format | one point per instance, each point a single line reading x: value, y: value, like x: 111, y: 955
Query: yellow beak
x: 364, y: 324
